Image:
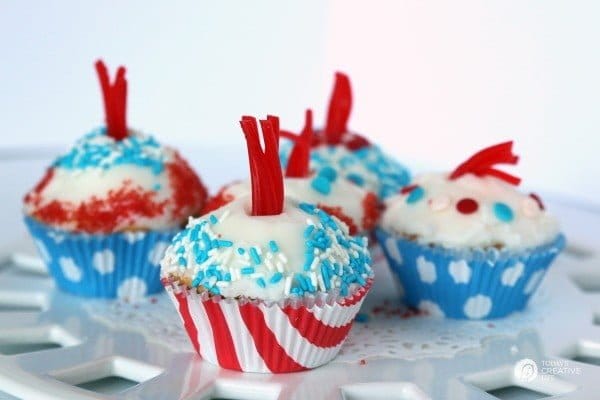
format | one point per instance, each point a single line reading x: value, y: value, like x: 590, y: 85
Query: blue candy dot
x: 328, y: 173
x: 503, y: 212
x: 415, y: 195
x: 321, y: 185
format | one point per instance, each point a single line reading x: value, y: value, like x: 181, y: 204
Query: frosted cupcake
x: 468, y: 244
x: 267, y: 283
x: 350, y: 154
x: 353, y: 205
x: 105, y: 211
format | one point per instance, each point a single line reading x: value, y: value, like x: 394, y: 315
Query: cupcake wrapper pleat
x: 256, y: 336
x: 467, y: 284
x: 123, y: 265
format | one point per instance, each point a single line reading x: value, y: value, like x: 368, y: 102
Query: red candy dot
x: 408, y: 189
x: 467, y: 206
x: 538, y: 200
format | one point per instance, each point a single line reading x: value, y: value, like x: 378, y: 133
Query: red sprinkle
x: 189, y: 194
x: 467, y: 206
x: 372, y: 211
x: 363, y: 362
x: 538, y: 200
x: 34, y: 195
x: 408, y: 189
x: 219, y: 200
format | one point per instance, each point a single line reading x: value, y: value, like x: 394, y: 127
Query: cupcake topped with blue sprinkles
x: 351, y: 154
x: 265, y: 245
x: 115, y: 179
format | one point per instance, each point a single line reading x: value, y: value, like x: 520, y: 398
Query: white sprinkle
x: 321, y: 282
x: 257, y: 275
x: 269, y: 255
x: 211, y: 281
x: 222, y: 284
x: 258, y: 250
x: 309, y: 222
x: 279, y: 266
x: 314, y: 263
x: 313, y: 278
x: 282, y: 257
x: 288, y: 285
x: 225, y: 215
x: 269, y: 264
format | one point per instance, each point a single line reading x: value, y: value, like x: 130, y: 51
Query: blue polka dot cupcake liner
x: 119, y: 265
x: 467, y: 284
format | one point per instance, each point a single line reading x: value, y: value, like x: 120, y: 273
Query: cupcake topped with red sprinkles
x: 350, y: 203
x: 116, y: 179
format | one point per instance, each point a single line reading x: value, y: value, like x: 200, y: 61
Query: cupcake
x: 350, y: 154
x: 267, y: 283
x: 350, y: 203
x: 106, y: 210
x: 468, y: 244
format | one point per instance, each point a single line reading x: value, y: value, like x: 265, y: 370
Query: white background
x: 433, y: 81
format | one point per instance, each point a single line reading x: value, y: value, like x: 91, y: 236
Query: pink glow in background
x: 433, y: 81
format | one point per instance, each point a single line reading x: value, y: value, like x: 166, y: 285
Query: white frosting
x: 98, y: 166
x: 76, y: 186
x: 434, y: 218
x: 233, y: 223
x: 344, y: 194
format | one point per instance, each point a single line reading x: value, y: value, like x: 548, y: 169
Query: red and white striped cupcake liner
x: 256, y: 336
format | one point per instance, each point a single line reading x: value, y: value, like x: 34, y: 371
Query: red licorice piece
x: 372, y: 211
x: 189, y: 194
x: 467, y: 206
x: 115, y: 100
x: 482, y: 163
x: 298, y: 163
x: 339, y: 214
x: 266, y: 175
x: 340, y: 106
x: 538, y: 200
x: 408, y: 189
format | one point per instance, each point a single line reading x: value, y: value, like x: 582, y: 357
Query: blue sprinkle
x: 356, y: 179
x: 361, y: 317
x: 247, y: 270
x: 254, y: 255
x: 277, y: 276
x: 328, y: 173
x: 196, y: 282
x: 503, y: 212
x: 261, y: 282
x: 200, y: 276
x: 194, y: 233
x: 213, y: 219
x: 156, y: 187
x: 321, y: 185
x: 241, y: 251
x: 182, y: 261
x: 180, y: 250
x: 307, y: 208
x: 227, y: 277
x: 415, y: 195
x: 273, y: 246
x: 215, y: 290
x: 302, y: 282
x: 309, y: 230
x: 225, y: 243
